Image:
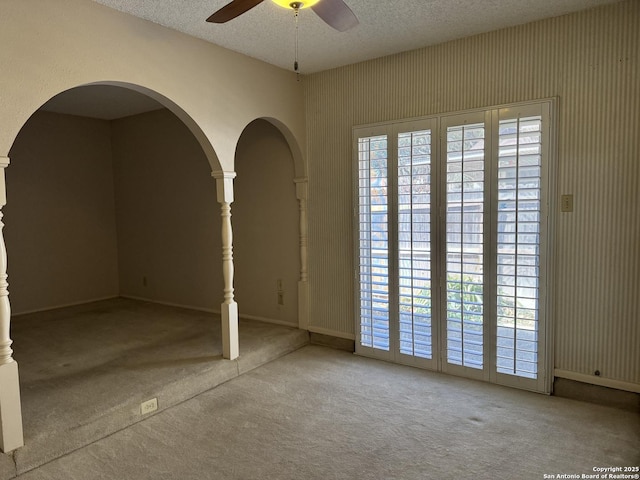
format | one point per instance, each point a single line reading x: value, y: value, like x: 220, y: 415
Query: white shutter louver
x: 465, y: 245
x: 518, y: 245
x: 414, y: 243
x: 374, y: 242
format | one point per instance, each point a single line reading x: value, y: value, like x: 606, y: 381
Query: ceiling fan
x: 334, y: 12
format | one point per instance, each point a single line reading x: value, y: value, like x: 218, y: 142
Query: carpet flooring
x: 319, y: 413
x: 85, y: 370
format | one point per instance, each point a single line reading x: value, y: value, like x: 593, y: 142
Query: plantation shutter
x: 520, y: 245
x: 452, y: 217
x: 465, y: 244
x: 414, y: 243
x: 373, y: 212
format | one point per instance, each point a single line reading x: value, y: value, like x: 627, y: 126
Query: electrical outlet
x: 279, y: 287
x: 149, y: 406
x: 280, y: 298
x: 566, y: 203
x: 144, y: 281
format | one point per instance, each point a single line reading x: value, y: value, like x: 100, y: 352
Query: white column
x: 11, y: 436
x: 303, y: 283
x: 229, y: 308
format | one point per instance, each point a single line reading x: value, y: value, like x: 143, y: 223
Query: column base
x: 11, y: 435
x: 230, y: 337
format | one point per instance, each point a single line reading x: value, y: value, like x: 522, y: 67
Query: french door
x: 452, y: 243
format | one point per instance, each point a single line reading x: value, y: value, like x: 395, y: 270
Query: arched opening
x: 114, y: 239
x: 111, y: 212
x: 266, y: 226
x: 106, y: 201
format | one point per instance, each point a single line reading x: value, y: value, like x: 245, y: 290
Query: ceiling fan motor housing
x: 295, y: 5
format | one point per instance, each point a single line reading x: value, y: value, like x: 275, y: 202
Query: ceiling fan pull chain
x: 296, y: 11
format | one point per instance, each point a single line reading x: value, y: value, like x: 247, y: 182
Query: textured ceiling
x: 267, y: 31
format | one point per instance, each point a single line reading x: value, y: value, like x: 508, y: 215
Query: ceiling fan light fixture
x: 334, y: 13
x: 289, y: 3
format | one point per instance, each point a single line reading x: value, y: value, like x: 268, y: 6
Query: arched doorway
x: 266, y: 226
x: 127, y: 189
x: 80, y: 216
x: 271, y: 224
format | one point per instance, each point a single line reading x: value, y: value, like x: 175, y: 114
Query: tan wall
x: 60, y: 220
x: 590, y: 62
x: 265, y: 225
x: 96, y: 207
x: 169, y: 219
x: 167, y: 214
x: 51, y: 46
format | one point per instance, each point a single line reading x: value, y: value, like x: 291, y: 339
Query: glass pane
x: 373, y: 213
x: 414, y: 242
x: 519, y: 193
x: 465, y: 245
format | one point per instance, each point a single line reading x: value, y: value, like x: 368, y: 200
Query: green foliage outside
x: 463, y: 290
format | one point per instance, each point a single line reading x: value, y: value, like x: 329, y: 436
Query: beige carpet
x: 85, y: 370
x: 319, y: 413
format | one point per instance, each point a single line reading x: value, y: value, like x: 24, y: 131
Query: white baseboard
x: 65, y: 305
x: 592, y: 379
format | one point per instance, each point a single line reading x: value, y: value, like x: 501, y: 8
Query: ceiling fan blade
x: 336, y: 13
x: 233, y: 10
